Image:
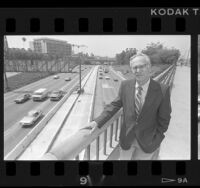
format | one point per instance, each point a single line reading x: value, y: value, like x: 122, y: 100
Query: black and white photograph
x: 97, y: 97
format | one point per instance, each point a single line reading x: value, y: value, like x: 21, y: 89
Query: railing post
x: 88, y: 152
x: 77, y: 157
x: 116, y: 128
x: 120, y: 123
x: 105, y: 141
x: 97, y: 148
x: 111, y: 134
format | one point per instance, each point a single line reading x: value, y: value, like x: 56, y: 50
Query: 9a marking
x: 182, y: 180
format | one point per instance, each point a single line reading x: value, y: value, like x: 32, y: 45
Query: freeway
x: 106, y: 91
x: 13, y: 113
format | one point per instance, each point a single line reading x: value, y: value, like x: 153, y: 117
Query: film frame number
x: 83, y: 180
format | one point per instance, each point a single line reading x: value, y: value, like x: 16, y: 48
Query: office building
x: 51, y: 46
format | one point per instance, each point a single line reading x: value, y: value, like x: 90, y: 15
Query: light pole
x: 24, y: 40
x: 5, y: 52
x: 80, y: 91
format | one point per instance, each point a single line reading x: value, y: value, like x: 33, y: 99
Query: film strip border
x: 100, y: 21
x: 83, y: 25
x: 98, y: 173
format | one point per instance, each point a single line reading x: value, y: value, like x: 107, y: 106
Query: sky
x: 109, y: 45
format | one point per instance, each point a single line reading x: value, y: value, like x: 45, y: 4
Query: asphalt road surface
x: 13, y: 112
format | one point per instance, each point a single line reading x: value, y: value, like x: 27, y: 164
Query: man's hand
x: 92, y: 126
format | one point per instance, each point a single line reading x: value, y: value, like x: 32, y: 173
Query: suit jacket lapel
x: 150, y: 97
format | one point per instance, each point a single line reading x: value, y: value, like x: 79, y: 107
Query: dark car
x: 56, y: 95
x: 23, y: 98
x: 115, y: 79
x: 67, y: 79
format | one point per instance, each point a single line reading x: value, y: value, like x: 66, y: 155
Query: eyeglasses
x: 139, y: 67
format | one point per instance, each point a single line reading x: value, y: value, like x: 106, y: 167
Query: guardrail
x: 163, y: 74
x: 77, y: 98
x: 22, y: 145
x: 82, y: 139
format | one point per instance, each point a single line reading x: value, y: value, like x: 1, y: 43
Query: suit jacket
x: 152, y: 121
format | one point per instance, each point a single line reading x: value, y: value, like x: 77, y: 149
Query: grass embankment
x: 25, y: 78
x: 126, y: 71
x: 22, y: 79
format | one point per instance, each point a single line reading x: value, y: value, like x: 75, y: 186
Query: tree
x: 160, y: 54
x: 123, y: 58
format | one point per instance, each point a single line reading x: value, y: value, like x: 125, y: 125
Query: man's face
x: 141, y: 69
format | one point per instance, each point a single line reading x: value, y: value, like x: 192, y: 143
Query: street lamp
x: 24, y: 40
x: 80, y: 91
x: 5, y: 52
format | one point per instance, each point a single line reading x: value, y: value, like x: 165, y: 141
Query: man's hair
x: 146, y: 57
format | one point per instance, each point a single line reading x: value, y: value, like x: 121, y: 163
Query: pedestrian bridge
x: 85, y: 146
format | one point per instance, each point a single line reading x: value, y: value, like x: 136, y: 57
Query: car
x: 107, y: 78
x: 56, y: 77
x: 23, y: 98
x: 100, y: 77
x: 199, y: 99
x: 56, y: 95
x: 125, y: 71
x: 115, y: 79
x: 40, y: 94
x: 31, y: 118
x: 101, y: 73
x: 67, y: 78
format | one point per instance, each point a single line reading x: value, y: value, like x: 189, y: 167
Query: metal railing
x: 82, y: 140
x: 71, y: 148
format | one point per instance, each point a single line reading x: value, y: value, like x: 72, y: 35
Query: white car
x: 199, y: 99
x: 31, y: 118
x: 56, y: 77
x: 107, y: 77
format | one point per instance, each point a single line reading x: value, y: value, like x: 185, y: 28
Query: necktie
x: 138, y: 104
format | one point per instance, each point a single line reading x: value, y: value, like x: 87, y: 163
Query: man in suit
x: 146, y: 108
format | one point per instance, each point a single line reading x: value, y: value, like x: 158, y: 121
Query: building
x: 51, y: 46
